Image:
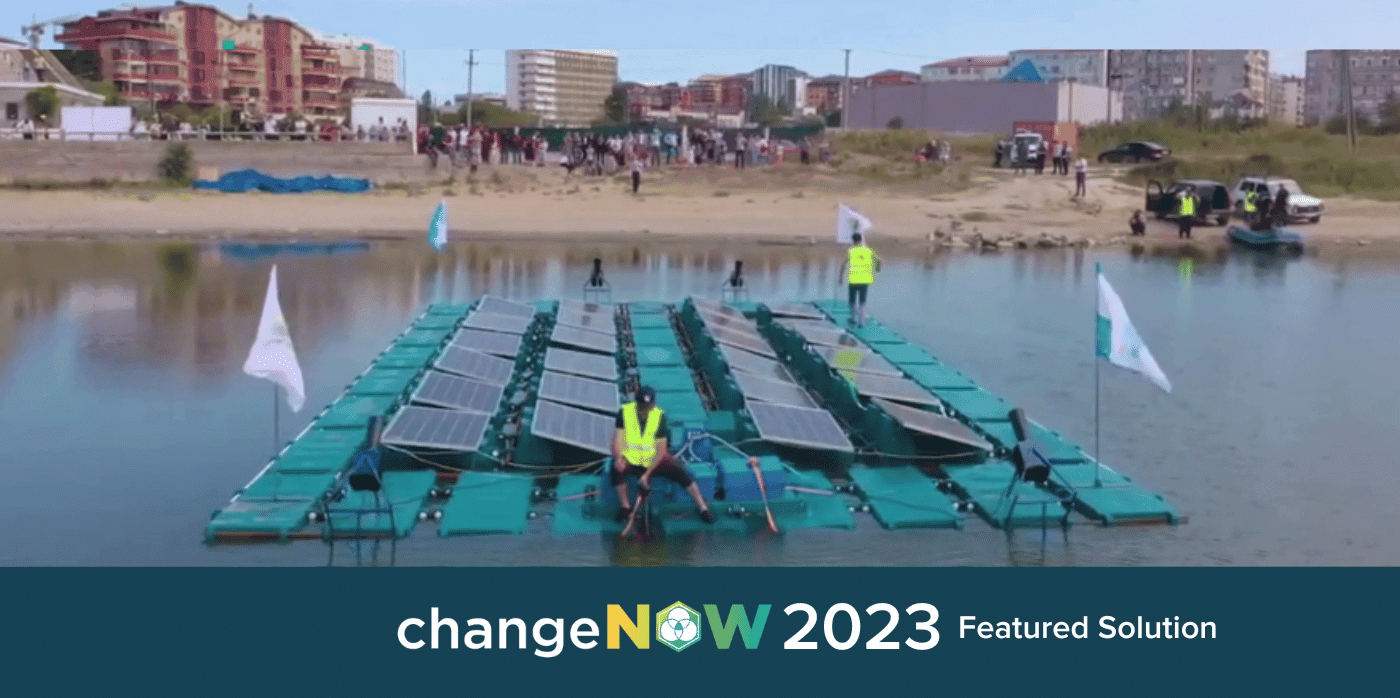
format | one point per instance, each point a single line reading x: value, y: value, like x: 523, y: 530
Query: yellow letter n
x: 639, y: 631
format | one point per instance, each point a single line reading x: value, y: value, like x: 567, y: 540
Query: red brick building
x: 201, y: 55
x: 891, y: 77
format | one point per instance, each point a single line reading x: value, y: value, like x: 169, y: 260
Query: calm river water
x: 126, y: 417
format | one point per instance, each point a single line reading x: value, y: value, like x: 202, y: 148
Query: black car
x: 1136, y: 151
x: 1213, y: 198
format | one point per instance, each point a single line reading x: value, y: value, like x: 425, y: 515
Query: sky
x: 670, y: 41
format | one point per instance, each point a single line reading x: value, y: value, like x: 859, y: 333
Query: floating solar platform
x: 442, y: 387
x: 501, y: 306
x: 581, y: 363
x: 445, y: 390
x: 573, y: 426
x: 580, y: 338
x: 475, y: 364
x: 579, y: 391
x: 501, y: 344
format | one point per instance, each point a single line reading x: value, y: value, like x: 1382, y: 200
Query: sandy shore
x: 787, y: 205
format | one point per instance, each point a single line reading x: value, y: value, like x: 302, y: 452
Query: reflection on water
x: 129, y: 419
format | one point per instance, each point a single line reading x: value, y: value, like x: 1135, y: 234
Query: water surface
x: 127, y: 419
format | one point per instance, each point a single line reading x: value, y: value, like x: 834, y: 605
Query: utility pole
x: 846, y: 95
x: 471, y: 62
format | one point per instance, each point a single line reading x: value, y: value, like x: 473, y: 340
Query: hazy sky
x: 677, y: 41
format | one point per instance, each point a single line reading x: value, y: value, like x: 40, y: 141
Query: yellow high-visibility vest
x: 639, y: 445
x: 1249, y: 202
x: 1188, y: 206
x: 860, y: 265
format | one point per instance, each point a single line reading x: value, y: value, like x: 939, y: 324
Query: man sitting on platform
x: 640, y: 449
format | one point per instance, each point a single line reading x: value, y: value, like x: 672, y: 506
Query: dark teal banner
x: 778, y: 632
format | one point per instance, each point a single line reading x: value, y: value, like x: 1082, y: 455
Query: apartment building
x: 781, y: 84
x: 561, y: 87
x: 22, y: 69
x: 1153, y: 80
x: 966, y: 69
x: 824, y: 93
x: 201, y: 55
x: 723, y: 92
x: 1286, y: 99
x: 362, y: 57
x: 1374, y: 76
x: 1083, y: 66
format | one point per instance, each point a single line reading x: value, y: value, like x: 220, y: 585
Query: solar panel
x: 713, y: 307
x: 798, y: 426
x: 740, y: 360
x: 801, y: 310
x: 475, y: 364
x: 737, y: 324
x: 454, y: 392
x: 573, y: 426
x: 743, y: 341
x: 580, y: 363
x: 496, y: 322
x: 822, y: 333
x: 430, y: 427
x: 584, y: 339
x: 501, y: 306
x: 857, y: 360
x: 926, y: 422
x: 598, y: 322
x: 498, y: 343
x: 893, y: 388
x: 782, y: 392
x: 579, y: 391
x: 581, y: 306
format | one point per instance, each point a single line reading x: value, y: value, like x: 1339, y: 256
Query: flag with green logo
x: 1119, y: 342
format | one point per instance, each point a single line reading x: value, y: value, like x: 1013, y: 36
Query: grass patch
x: 177, y: 165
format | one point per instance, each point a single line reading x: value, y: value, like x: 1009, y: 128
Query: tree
x: 615, y: 106
x: 425, y: 108
x: 833, y: 119
x: 763, y: 112
x: 43, y: 104
x: 84, y: 65
x: 896, y: 123
x: 1388, y: 115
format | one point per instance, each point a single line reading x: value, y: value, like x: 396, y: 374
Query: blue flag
x: 437, y: 229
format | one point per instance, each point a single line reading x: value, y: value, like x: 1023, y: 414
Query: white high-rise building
x: 366, y: 58
x: 563, y: 87
x: 1153, y: 80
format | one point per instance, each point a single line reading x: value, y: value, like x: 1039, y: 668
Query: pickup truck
x: 1301, y: 207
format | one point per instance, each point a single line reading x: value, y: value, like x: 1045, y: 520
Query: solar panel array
x: 892, y: 388
x: 743, y: 341
x: 926, y: 422
x: 429, y: 427
x: 573, y: 426
x: 585, y: 307
x: 496, y: 322
x: 598, y: 322
x: 740, y: 360
x: 454, y: 392
x: 713, y: 307
x: 584, y: 339
x: 580, y: 363
x: 579, y: 391
x: 500, y: 306
x: 475, y: 364
x: 821, y: 333
x: 735, y: 324
x: 803, y: 427
x: 782, y: 392
x: 800, y: 310
x: 857, y: 360
x: 497, y: 343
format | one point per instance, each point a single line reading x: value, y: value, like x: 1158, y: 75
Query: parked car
x: 1136, y: 151
x: 1213, y: 196
x: 1300, y: 205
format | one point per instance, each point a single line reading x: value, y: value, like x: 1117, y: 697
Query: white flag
x: 272, y: 356
x: 437, y: 229
x: 1119, y: 342
x: 848, y: 221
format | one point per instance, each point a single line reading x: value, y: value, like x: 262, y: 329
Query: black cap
x: 646, y: 395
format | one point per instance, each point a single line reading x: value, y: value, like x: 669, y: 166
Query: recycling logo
x: 677, y: 626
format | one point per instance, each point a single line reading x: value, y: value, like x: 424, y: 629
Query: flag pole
x: 1098, y: 272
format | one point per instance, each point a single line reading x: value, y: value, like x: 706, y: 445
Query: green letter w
x: 738, y: 617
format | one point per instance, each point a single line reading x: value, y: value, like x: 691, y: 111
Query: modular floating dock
x: 481, y: 417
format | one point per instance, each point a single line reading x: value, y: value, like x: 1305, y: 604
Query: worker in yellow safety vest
x: 1249, y: 206
x: 640, y: 450
x: 859, y: 269
x: 1186, y: 213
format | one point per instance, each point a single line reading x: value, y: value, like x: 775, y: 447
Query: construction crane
x: 35, y: 31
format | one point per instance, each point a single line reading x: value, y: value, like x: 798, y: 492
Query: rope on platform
x: 948, y: 456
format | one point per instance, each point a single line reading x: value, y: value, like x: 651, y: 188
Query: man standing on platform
x: 859, y: 268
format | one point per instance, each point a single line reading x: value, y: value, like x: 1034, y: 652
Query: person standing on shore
x: 740, y: 149
x: 1186, y: 213
x: 1081, y: 177
x: 637, y: 164
x: 859, y: 268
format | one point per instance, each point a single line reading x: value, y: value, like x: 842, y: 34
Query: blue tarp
x: 248, y: 180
